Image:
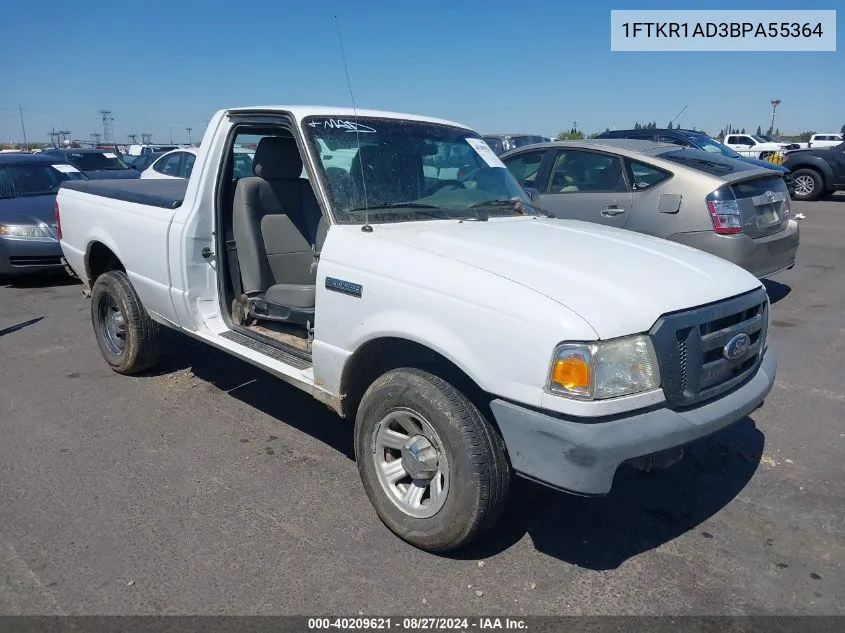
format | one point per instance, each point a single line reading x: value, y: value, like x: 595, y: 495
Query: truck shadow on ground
x: 256, y: 388
x: 644, y: 510
x: 776, y: 290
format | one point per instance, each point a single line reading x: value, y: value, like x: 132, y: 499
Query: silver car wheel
x: 411, y: 463
x: 804, y: 185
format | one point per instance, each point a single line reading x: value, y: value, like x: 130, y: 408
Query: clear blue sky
x: 533, y: 66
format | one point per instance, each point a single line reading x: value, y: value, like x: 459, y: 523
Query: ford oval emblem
x: 737, y: 346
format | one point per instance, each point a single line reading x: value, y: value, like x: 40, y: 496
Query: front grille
x: 35, y: 261
x: 690, y: 347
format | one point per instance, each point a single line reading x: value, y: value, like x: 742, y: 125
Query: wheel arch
x: 381, y: 354
x: 100, y: 258
x: 816, y: 164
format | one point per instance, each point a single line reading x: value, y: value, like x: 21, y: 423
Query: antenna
x: 679, y: 114
x: 366, y: 228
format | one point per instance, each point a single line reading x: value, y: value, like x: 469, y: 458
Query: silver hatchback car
x: 720, y: 205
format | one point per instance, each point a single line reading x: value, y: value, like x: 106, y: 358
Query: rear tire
x: 808, y: 184
x: 467, y: 494
x: 127, y: 336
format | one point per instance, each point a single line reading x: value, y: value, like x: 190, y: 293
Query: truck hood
x: 619, y: 281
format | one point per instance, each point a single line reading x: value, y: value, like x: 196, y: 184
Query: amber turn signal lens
x: 572, y: 372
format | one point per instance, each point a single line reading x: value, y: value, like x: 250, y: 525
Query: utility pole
x: 189, y: 136
x: 108, y: 130
x: 146, y: 138
x: 23, y: 129
x: 775, y: 104
x: 133, y: 139
x: 95, y: 138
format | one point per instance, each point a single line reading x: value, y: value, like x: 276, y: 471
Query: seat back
x: 384, y: 176
x: 276, y: 219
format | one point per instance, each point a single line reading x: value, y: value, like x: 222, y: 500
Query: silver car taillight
x: 725, y: 215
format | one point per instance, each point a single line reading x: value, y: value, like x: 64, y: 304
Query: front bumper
x: 583, y: 457
x: 761, y: 256
x: 21, y: 256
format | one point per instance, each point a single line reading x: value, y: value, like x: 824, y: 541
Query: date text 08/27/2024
x: 363, y: 623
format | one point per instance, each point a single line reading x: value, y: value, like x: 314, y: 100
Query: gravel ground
x: 208, y: 487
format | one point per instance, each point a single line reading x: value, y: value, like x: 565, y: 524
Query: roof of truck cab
x: 302, y: 111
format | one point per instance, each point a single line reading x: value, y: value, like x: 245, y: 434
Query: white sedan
x: 176, y: 163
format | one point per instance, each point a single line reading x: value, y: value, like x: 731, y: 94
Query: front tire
x: 808, y: 184
x: 432, y: 465
x: 127, y: 336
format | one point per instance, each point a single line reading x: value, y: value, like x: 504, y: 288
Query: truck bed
x: 167, y: 194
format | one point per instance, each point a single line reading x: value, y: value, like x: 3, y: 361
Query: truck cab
x: 469, y: 336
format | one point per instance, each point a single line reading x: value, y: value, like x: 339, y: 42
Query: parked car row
x: 406, y: 279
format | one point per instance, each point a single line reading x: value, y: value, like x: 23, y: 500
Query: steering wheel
x: 446, y: 183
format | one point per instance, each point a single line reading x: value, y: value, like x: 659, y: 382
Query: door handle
x: 612, y: 210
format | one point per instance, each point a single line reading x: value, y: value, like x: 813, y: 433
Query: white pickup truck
x: 468, y: 335
x: 753, y: 146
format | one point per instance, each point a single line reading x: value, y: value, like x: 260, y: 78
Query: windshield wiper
x: 414, y: 207
x: 511, y: 203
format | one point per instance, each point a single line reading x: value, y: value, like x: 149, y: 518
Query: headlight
x: 607, y: 369
x: 22, y: 230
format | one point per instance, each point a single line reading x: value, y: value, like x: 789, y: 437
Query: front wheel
x: 808, y: 184
x: 127, y: 336
x: 432, y: 465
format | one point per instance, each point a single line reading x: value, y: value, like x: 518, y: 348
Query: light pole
x: 189, y: 136
x: 775, y: 104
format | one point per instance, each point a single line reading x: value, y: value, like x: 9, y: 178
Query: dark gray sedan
x: 28, y: 233
x: 100, y: 164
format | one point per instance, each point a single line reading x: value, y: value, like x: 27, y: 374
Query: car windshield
x: 714, y: 147
x: 759, y: 139
x: 522, y: 141
x: 394, y: 170
x: 713, y: 164
x: 95, y: 161
x: 22, y: 180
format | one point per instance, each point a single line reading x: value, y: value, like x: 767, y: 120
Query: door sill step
x: 294, y: 360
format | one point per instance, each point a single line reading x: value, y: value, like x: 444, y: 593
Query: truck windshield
x: 95, y: 161
x: 22, y: 180
x: 393, y: 170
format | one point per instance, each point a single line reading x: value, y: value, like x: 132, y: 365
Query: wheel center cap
x: 419, y: 458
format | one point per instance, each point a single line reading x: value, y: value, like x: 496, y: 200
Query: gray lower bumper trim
x: 582, y: 457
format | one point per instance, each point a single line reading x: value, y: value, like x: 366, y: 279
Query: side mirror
x: 533, y: 193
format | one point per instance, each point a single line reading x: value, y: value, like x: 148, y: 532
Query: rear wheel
x: 432, y: 465
x: 127, y: 336
x: 808, y: 184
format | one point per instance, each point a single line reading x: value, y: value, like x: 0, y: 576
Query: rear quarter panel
x: 135, y: 233
x: 692, y: 215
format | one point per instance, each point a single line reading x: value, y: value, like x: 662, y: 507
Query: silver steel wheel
x: 804, y: 185
x: 411, y: 463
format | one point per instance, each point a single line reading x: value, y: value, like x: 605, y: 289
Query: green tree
x: 742, y: 131
x: 759, y: 131
x: 669, y: 127
x: 805, y: 136
x: 842, y: 129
